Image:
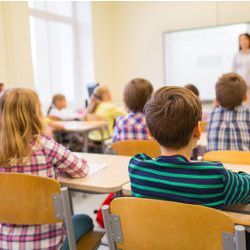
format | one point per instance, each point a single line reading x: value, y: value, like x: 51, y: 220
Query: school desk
x: 109, y: 179
x: 85, y: 127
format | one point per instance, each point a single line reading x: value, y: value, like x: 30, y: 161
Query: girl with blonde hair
x: 102, y: 108
x: 25, y: 149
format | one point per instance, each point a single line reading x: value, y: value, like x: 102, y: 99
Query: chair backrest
x: 34, y: 200
x: 133, y: 147
x: 228, y: 156
x: 27, y: 199
x: 155, y: 224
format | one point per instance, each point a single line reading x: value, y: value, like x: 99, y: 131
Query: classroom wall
x: 127, y: 37
x: 137, y: 32
x: 15, y: 47
x: 3, y: 69
x: 103, y: 42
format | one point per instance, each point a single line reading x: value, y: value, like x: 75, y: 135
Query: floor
x: 86, y: 204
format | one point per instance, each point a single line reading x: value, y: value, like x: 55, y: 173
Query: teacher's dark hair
x: 247, y: 36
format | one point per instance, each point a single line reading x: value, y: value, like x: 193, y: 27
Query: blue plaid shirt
x: 131, y: 127
x: 229, y: 129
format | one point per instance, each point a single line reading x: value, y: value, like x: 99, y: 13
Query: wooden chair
x: 146, y: 224
x: 228, y: 156
x: 133, y: 147
x: 34, y: 200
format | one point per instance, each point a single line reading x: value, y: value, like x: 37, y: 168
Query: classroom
x: 124, y: 125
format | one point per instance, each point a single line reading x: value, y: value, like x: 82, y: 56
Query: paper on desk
x: 95, y: 167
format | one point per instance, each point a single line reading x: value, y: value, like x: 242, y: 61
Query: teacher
x: 241, y: 63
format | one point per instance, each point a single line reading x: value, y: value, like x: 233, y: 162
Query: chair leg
x: 240, y: 237
x: 68, y: 218
x: 106, y: 215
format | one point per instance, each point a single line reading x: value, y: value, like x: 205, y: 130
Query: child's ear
x: 197, y: 131
x: 216, y: 103
x: 245, y: 98
x: 150, y: 134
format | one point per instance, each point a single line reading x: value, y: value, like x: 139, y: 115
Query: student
x: 58, y: 109
x: 133, y: 125
x: 193, y: 89
x: 101, y: 108
x: 24, y: 149
x: 229, y: 123
x: 173, y: 117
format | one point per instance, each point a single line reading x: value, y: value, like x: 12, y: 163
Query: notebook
x: 95, y: 167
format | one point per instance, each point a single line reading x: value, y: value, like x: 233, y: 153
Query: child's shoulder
x: 46, y: 141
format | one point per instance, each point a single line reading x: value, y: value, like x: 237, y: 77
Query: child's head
x: 21, y: 123
x: 231, y: 91
x: 59, y: 101
x: 193, y: 89
x: 100, y: 94
x: 136, y: 94
x: 172, y: 116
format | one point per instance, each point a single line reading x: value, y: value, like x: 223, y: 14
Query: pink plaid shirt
x: 47, y: 159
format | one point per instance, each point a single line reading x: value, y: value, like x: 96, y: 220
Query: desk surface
x: 108, y: 179
x: 238, y: 218
x: 82, y: 126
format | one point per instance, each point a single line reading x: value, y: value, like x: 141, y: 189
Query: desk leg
x: 71, y: 202
x: 102, y: 138
x: 85, y: 138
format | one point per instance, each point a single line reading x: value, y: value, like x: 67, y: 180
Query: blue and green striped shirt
x: 174, y: 178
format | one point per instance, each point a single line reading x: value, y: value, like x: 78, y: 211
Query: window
x: 57, y: 54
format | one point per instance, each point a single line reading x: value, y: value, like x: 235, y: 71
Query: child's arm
x: 237, y: 188
x: 65, y: 160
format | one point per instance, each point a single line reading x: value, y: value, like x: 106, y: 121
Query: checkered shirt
x: 229, y: 129
x: 47, y: 159
x: 130, y: 127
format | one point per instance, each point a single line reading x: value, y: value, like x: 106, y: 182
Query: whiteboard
x: 200, y: 56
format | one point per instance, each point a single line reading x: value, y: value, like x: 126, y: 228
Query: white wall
x: 103, y: 41
x: 127, y: 37
x: 15, y: 45
x: 137, y: 34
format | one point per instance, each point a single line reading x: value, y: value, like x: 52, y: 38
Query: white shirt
x: 241, y: 66
x: 64, y: 114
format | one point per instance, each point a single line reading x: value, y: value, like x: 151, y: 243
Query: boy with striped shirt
x: 173, y: 117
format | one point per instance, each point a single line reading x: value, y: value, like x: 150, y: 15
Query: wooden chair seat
x: 90, y: 241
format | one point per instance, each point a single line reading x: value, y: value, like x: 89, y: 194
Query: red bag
x: 107, y: 201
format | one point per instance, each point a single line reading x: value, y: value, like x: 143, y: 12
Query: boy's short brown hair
x: 172, y: 115
x: 230, y: 90
x: 136, y: 94
x: 192, y: 88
